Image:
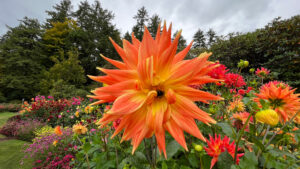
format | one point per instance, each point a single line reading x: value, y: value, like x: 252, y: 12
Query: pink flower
x: 59, y: 116
x: 93, y: 130
x: 262, y: 72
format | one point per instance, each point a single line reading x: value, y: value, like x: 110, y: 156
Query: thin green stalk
x: 147, y: 152
x: 117, y: 159
x: 265, y: 136
x: 201, y: 163
x: 273, y: 136
x: 86, y: 155
x: 240, y: 134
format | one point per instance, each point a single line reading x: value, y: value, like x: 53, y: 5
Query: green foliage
x: 43, y: 131
x: 60, y: 13
x: 21, y: 60
x: 199, y: 39
x: 141, y: 19
x: 92, y: 39
x: 154, y: 21
x: 62, y: 90
x: 276, y: 43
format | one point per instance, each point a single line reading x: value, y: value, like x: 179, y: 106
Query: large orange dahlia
x: 282, y: 99
x: 151, y: 90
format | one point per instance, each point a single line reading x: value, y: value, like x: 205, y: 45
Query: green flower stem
x: 201, y: 163
x: 288, y: 122
x: 86, y: 155
x: 117, y: 159
x: 273, y: 136
x: 153, y: 151
x: 265, y: 136
x: 240, y: 134
x: 147, y: 152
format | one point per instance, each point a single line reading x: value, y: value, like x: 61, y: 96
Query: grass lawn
x: 4, y: 116
x: 11, y: 150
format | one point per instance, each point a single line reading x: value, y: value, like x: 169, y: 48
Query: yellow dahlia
x: 268, y: 116
x: 79, y: 129
x: 282, y: 99
x: 151, y: 90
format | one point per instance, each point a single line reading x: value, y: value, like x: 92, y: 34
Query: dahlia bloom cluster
x: 282, y: 99
x: 234, y: 80
x: 216, y: 146
x: 52, y: 151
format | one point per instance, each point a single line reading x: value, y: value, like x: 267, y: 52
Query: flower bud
x: 198, y: 148
x: 246, y: 63
x: 268, y: 116
x: 251, y: 70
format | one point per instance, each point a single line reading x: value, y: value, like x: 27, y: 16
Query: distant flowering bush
x: 22, y: 129
x: 8, y: 107
x: 52, y: 151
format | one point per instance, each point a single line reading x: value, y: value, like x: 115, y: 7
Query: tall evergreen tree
x: 211, y: 37
x: 58, y: 38
x: 153, y: 24
x: 199, y: 39
x: 93, y: 37
x: 127, y: 36
x: 181, y: 42
x: 61, y: 12
x: 141, y: 19
x: 22, y: 60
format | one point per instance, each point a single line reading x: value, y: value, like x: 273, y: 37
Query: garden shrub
x: 63, y: 90
x: 23, y: 129
x: 9, y: 107
x: 52, y: 151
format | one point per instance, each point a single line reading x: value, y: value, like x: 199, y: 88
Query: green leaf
x: 228, y: 130
x: 193, y: 160
x: 257, y: 143
x: 184, y: 167
x: 172, y: 148
x: 246, y: 100
x: 164, y: 165
x: 86, y: 147
x: 249, y: 161
x: 206, y: 159
x: 225, y: 161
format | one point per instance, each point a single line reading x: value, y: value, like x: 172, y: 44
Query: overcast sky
x: 223, y: 16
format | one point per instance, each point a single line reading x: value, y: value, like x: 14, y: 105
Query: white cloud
x: 223, y: 16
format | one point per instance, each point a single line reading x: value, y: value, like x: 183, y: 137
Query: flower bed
x: 150, y: 111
